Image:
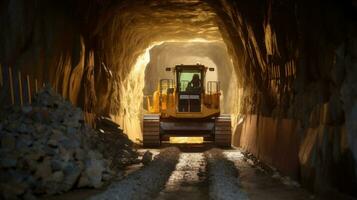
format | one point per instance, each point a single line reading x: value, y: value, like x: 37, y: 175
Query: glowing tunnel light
x: 186, y: 140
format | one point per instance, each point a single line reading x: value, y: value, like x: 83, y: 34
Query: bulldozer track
x: 223, y: 131
x: 151, y: 130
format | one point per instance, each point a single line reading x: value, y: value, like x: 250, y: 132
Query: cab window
x: 190, y: 80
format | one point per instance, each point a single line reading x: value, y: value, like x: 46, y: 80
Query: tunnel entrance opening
x: 149, y: 68
x: 212, y: 54
x: 131, y: 30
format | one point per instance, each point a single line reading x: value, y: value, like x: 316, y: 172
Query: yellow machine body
x: 166, y: 105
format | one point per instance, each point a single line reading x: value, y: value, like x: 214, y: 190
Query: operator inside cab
x: 194, y: 85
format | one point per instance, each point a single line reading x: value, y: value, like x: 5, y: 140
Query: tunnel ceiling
x: 140, y: 24
x: 88, y: 48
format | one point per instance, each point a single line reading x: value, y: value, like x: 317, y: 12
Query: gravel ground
x: 188, y: 181
x: 223, y: 179
x: 145, y: 183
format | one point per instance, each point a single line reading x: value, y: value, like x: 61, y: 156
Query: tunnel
x: 287, y: 68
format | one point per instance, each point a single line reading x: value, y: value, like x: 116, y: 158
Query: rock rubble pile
x: 114, y: 144
x: 46, y: 148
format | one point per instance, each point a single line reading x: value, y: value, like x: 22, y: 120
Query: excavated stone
x: 147, y: 157
x: 13, y: 189
x: 66, y: 154
x: 107, y: 176
x: 7, y: 161
x: 29, y: 196
x: 50, y: 151
x: 71, y: 130
x: 23, y: 128
x: 12, y: 125
x: 49, y: 142
x: 57, y: 176
x: 69, y: 144
x: 26, y: 109
x: 8, y: 142
x: 71, y: 175
x: 56, y: 135
x: 57, y: 164
x: 95, y: 155
x: 52, y: 143
x: 80, y: 154
x: 83, y: 181
x: 44, y: 170
x: 94, y: 170
x: 24, y: 141
x: 81, y: 165
x: 36, y: 153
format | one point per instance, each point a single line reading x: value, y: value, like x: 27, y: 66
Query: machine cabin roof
x: 197, y: 66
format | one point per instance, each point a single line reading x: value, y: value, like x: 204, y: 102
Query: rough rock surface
x: 110, y: 135
x: 46, y: 148
x: 147, y: 157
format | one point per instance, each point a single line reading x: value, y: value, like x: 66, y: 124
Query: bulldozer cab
x: 186, y: 96
x: 190, y: 87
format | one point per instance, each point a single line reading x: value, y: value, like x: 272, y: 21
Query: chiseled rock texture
x: 291, y: 58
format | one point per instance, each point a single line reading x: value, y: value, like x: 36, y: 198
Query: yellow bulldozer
x: 184, y: 107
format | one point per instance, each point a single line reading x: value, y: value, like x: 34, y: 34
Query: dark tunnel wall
x: 294, y: 59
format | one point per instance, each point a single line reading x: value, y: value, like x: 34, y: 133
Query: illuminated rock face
x: 289, y: 58
x: 210, y: 54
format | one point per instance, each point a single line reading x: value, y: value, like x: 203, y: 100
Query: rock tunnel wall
x: 291, y: 58
x: 300, y: 55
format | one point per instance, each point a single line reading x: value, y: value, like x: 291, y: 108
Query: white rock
x: 94, y: 171
x: 249, y: 161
